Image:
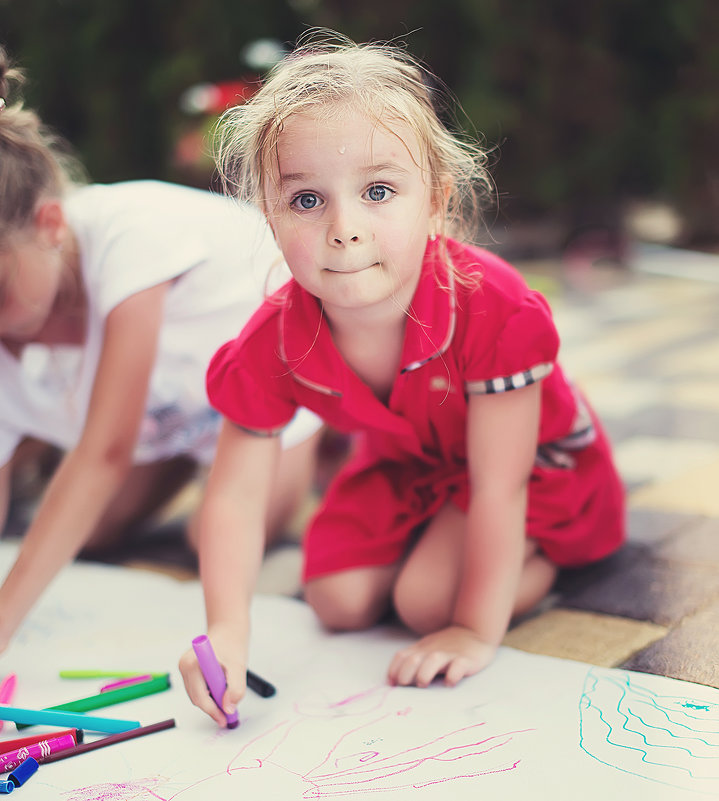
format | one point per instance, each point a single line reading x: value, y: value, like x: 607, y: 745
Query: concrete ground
x: 643, y: 343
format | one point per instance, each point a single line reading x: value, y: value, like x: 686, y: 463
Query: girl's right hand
x: 232, y: 657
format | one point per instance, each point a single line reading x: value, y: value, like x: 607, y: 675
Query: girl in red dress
x: 478, y: 467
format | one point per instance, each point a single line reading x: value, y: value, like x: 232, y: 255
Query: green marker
x: 110, y: 697
x: 107, y: 674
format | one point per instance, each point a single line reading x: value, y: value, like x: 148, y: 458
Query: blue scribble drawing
x: 665, y: 738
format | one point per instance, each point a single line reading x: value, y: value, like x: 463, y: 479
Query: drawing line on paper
x: 668, y: 739
x: 369, y: 742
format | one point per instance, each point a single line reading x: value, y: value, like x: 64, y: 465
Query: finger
x: 196, y: 688
x: 407, y: 667
x: 236, y: 677
x: 394, y: 666
x: 432, y: 665
x: 230, y: 699
x: 458, y: 669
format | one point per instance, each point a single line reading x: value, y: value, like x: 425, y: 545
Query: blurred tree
x: 584, y: 103
x: 109, y: 75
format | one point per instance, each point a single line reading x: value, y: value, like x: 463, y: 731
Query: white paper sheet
x: 528, y: 727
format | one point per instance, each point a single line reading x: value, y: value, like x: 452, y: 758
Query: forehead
x: 347, y: 137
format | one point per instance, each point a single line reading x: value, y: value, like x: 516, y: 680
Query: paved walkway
x: 644, y: 345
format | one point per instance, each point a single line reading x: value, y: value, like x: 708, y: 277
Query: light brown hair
x: 34, y: 161
x: 383, y: 81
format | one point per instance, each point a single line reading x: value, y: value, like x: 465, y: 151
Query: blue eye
x: 378, y: 192
x: 305, y: 201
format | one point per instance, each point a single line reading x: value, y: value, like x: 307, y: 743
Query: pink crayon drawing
x: 361, y: 745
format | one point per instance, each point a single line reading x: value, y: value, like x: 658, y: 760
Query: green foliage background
x: 585, y: 102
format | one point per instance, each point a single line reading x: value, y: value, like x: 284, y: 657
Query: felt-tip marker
x: 214, y: 676
x: 111, y: 697
x: 20, y: 742
x: 259, y: 685
x: 23, y: 772
x: 120, y: 737
x: 48, y: 717
x: 50, y: 745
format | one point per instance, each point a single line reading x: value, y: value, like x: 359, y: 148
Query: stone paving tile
x: 657, y: 459
x: 639, y: 586
x: 702, y: 393
x: 689, y: 652
x: 651, y: 527
x: 697, y: 543
x: 682, y: 424
x: 694, y: 492
x: 584, y: 636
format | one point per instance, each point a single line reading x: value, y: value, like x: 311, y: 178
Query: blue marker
x: 23, y: 772
x: 6, y: 787
x: 48, y: 717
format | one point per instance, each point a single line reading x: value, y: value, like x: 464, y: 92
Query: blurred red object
x: 214, y: 98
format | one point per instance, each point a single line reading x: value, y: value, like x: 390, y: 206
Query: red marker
x: 44, y: 748
x: 12, y: 745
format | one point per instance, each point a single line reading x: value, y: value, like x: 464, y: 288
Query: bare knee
x: 425, y: 590
x: 353, y: 599
x: 418, y: 603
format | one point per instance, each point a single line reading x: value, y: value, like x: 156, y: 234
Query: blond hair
x: 379, y: 79
x: 34, y: 161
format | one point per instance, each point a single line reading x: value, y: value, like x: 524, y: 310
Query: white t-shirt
x: 132, y: 236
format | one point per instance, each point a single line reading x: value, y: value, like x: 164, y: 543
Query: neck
x: 71, y: 300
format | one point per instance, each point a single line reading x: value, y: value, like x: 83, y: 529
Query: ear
x: 50, y: 223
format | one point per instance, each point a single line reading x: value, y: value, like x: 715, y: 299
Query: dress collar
x: 307, y: 347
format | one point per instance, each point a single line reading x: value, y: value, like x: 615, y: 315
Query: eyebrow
x: 299, y: 177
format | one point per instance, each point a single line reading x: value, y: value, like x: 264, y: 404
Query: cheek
x: 300, y: 236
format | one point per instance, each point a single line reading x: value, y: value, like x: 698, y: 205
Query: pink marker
x: 115, y: 685
x: 14, y: 759
x: 7, y: 690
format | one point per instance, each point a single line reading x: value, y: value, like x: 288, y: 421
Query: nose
x: 344, y: 229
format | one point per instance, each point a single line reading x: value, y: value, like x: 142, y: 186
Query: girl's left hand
x: 455, y: 652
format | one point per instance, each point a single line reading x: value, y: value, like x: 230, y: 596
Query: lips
x: 350, y: 270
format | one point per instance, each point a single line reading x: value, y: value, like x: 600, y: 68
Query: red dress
x: 490, y: 334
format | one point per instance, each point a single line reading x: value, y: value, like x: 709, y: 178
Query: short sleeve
x: 521, y: 350
x: 248, y: 384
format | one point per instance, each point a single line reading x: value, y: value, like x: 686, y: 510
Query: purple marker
x: 214, y: 675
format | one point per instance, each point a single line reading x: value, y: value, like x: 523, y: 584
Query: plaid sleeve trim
x: 509, y: 382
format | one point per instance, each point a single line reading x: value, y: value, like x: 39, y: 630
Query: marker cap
x: 23, y: 771
x: 6, y: 787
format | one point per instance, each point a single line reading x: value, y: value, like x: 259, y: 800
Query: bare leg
x: 425, y: 591
x: 295, y: 475
x: 352, y: 599
x: 536, y: 581
x: 147, y: 488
